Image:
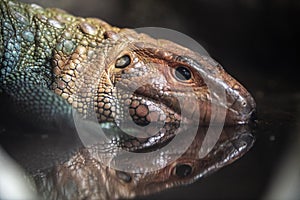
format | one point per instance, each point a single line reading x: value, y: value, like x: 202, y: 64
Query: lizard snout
x: 241, y: 105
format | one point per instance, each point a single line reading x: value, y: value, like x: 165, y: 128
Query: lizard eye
x: 182, y: 170
x: 123, y: 61
x: 182, y: 73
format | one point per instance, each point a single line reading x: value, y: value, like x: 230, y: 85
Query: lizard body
x: 52, y: 63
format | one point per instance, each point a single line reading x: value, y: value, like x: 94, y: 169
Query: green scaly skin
x: 30, y: 38
x: 53, y: 63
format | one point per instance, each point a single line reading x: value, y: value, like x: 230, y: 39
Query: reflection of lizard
x: 52, y: 62
x: 90, y: 179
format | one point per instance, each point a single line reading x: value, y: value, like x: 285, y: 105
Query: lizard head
x: 156, y: 73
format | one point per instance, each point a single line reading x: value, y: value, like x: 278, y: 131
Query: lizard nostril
x: 244, y: 103
x: 241, y: 105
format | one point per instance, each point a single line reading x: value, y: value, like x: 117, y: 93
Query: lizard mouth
x: 155, y: 119
x: 161, y: 116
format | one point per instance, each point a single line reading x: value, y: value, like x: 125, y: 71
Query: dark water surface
x: 255, y: 41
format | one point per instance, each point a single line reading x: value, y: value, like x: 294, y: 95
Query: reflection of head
x: 233, y: 143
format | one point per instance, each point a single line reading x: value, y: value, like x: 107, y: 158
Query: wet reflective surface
x: 48, y: 156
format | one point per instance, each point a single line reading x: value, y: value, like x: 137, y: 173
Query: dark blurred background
x: 257, y: 42
x: 262, y: 34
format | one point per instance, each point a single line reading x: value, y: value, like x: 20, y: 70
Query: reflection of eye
x: 182, y: 73
x: 182, y: 170
x: 123, y: 62
x: 123, y: 176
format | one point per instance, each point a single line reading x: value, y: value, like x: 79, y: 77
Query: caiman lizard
x: 52, y: 63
